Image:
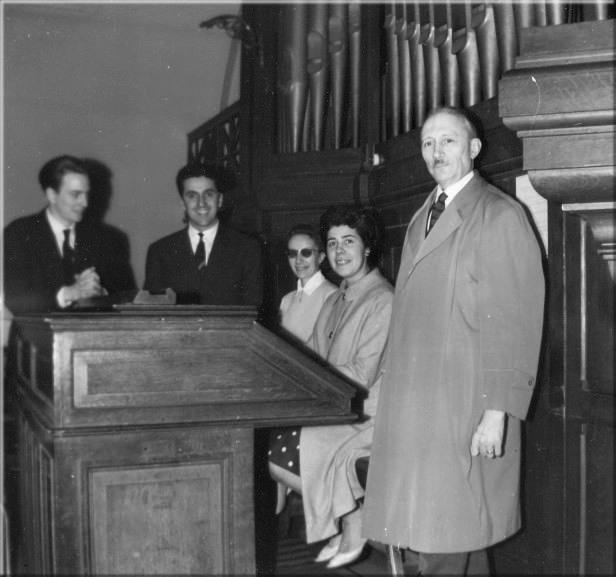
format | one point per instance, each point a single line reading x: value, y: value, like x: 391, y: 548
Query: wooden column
x: 560, y: 100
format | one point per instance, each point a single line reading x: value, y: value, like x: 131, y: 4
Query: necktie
x: 68, y: 258
x: 200, y: 253
x: 438, y: 206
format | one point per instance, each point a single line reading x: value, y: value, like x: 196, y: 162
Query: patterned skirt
x: 284, y: 448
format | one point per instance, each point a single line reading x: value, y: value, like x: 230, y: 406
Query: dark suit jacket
x: 233, y: 275
x: 33, y: 265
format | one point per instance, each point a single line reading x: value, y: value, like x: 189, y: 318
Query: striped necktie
x: 200, y: 253
x: 438, y: 206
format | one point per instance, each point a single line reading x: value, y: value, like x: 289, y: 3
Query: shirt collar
x: 314, y: 282
x: 58, y: 228
x: 57, y: 225
x: 209, y: 234
x: 452, y: 190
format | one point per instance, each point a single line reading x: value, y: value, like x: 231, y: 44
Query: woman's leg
x: 284, y: 476
x: 351, y: 532
x: 352, y: 543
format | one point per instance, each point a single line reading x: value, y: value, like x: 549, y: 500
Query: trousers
x: 471, y: 563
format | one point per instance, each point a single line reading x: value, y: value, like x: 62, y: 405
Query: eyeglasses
x: 305, y: 252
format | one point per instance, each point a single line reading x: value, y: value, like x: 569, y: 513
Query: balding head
x: 449, y: 145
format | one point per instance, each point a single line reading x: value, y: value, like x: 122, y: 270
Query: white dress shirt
x: 58, y: 228
x: 209, y: 235
x: 454, y: 188
x: 451, y: 191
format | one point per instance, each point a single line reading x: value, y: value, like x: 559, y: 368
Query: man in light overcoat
x: 460, y: 365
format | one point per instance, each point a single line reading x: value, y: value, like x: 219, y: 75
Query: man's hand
x: 488, y: 437
x: 87, y: 284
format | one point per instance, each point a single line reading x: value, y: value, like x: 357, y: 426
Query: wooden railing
x: 430, y: 55
x: 217, y: 141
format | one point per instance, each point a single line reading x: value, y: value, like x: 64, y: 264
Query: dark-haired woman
x: 350, y: 333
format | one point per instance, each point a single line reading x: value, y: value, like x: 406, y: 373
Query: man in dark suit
x: 53, y: 260
x: 206, y: 262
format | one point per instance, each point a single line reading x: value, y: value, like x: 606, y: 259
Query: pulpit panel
x: 159, y: 519
x: 36, y: 514
x: 170, y: 501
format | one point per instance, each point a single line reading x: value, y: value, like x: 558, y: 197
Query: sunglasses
x: 305, y: 252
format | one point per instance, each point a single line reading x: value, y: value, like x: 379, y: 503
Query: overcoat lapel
x: 413, y: 240
x: 448, y: 223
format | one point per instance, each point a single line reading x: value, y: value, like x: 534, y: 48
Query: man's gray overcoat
x: 465, y: 336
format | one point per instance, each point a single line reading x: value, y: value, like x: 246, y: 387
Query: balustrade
x: 218, y: 140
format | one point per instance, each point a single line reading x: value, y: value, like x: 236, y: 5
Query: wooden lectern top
x: 171, y: 365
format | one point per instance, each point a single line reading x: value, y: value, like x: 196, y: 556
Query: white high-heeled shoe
x: 330, y: 550
x: 347, y: 557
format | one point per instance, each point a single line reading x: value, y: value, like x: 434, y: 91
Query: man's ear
x: 51, y: 195
x: 220, y: 198
x: 321, y: 257
x: 475, y: 147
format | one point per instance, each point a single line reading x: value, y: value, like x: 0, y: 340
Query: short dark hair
x: 461, y: 114
x: 365, y: 221
x: 306, y: 230
x: 218, y: 174
x: 52, y: 172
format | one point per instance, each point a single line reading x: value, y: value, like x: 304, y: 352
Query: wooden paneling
x: 308, y: 178
x: 560, y: 100
x: 36, y: 513
x: 165, y: 517
x: 588, y: 307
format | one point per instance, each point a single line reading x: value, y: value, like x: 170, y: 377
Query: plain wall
x: 122, y: 84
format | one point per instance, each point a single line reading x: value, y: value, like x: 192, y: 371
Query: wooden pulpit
x: 136, y: 435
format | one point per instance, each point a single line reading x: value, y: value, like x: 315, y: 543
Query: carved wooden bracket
x: 560, y: 101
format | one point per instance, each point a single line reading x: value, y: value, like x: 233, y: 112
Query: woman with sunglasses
x: 350, y: 333
x: 299, y: 308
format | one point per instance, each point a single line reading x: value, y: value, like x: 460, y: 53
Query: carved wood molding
x: 600, y: 218
x: 560, y: 101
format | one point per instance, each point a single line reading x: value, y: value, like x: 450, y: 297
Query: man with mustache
x: 460, y: 367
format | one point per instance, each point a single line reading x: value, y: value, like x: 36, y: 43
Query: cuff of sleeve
x: 508, y: 390
x: 62, y: 299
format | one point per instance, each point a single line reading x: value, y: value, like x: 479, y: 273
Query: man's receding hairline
x: 460, y: 116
